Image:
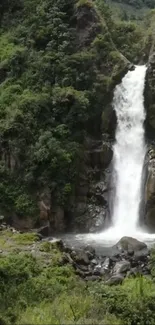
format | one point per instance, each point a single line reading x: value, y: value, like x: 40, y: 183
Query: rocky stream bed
x: 129, y: 257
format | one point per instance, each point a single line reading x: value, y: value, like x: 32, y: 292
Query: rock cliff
x: 149, y: 170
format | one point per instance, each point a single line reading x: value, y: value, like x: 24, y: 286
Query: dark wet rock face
x: 91, y: 210
x: 44, y: 231
x: 149, y: 192
x: 88, y: 209
x: 149, y: 95
x: 149, y: 181
x: 87, y: 25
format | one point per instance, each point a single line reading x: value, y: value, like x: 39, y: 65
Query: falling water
x: 129, y: 150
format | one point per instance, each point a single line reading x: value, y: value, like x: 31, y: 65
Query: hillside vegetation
x: 138, y: 3
x: 56, y: 76
x: 130, y: 10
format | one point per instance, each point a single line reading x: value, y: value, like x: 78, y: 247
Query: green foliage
x: 36, y: 291
x: 129, y: 39
x: 87, y: 3
x: 51, y: 89
x: 7, y: 47
x: 26, y: 286
x: 132, y: 302
x: 139, y: 3
x: 38, y: 125
x: 127, y: 35
x: 152, y: 262
x: 46, y: 247
x: 25, y: 239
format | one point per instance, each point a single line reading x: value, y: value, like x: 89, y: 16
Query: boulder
x: 80, y: 257
x: 94, y: 262
x: 92, y: 278
x: 115, y: 255
x: 97, y: 269
x: 83, y: 268
x: 133, y: 272
x: 115, y: 280
x: 129, y: 243
x: 130, y: 252
x: 90, y: 251
x: 142, y: 255
x: 122, y: 267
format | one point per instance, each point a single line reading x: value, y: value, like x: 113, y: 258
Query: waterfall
x: 129, y: 150
x: 128, y: 160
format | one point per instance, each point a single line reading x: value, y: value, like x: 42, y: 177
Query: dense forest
x: 60, y: 61
x: 51, y: 81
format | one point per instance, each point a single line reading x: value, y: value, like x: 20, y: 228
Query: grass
x: 25, y: 239
x: 47, y: 247
x: 5, y: 239
x: 14, y: 241
x: 65, y: 311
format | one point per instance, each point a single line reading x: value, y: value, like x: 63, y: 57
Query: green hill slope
x: 130, y: 9
x: 58, y: 65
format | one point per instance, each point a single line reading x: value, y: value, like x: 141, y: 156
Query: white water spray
x: 129, y: 150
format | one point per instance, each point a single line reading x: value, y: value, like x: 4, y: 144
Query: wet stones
x: 142, y: 255
x: 122, y: 267
x: 90, y: 251
x: 106, y: 265
x: 116, y: 266
x: 80, y: 257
